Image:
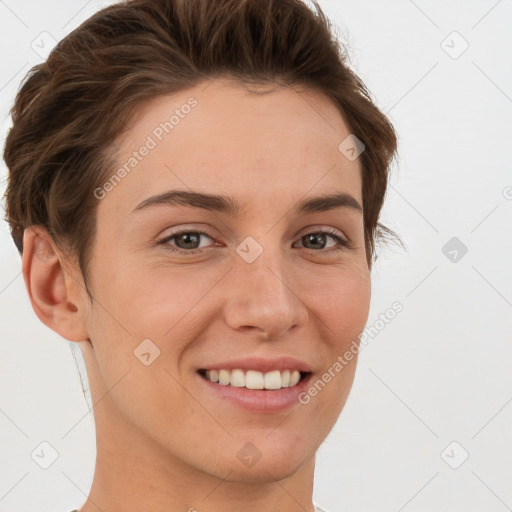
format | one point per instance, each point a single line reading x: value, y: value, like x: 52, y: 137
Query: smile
x: 252, y: 379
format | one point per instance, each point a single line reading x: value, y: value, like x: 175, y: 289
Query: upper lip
x: 261, y: 364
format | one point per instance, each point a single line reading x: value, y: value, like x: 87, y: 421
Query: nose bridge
x: 263, y: 294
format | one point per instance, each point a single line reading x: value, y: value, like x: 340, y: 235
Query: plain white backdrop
x: 428, y: 423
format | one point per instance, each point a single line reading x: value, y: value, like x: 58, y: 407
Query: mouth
x: 255, y: 380
x: 256, y: 384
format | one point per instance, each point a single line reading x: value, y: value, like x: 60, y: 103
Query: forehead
x: 276, y: 143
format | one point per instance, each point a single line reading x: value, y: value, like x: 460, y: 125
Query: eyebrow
x: 232, y: 207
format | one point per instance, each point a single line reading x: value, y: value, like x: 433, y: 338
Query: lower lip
x: 260, y: 400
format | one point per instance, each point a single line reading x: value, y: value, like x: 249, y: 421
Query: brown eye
x: 318, y: 240
x: 184, y: 241
x: 188, y: 240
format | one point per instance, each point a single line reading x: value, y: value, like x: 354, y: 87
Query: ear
x: 57, y: 297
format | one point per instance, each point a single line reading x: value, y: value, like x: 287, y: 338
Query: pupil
x: 187, y: 238
x: 315, y: 237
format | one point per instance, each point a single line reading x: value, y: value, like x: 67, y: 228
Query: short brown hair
x: 71, y: 108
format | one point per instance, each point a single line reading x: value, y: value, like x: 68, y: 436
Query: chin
x: 274, y: 454
x: 268, y: 469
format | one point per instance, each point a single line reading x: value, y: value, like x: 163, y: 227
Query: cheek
x: 341, y: 301
x: 340, y: 304
x: 147, y: 300
x: 168, y: 304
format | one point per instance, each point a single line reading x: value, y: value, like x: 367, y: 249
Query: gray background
x: 434, y: 385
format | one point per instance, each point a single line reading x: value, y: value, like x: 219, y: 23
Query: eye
x: 319, y: 238
x: 188, y: 241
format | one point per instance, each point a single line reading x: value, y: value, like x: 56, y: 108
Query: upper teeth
x: 252, y: 379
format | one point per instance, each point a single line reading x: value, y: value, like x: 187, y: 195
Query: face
x: 189, y: 284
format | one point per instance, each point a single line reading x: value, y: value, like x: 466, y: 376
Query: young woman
x: 195, y: 188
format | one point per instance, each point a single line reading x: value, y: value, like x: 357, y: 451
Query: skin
x: 162, y: 443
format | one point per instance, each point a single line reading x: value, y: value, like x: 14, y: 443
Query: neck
x: 132, y: 474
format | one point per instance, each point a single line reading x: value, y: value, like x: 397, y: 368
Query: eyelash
x: 345, y: 244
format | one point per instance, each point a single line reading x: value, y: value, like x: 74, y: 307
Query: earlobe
x: 45, y: 279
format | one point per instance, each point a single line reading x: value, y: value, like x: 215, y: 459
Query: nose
x: 265, y: 296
